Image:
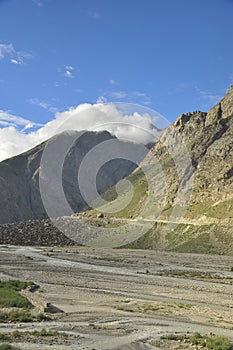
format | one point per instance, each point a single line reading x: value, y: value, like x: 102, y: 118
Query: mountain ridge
x: 19, y: 175
x: 204, y: 220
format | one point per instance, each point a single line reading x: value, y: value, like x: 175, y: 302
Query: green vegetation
x: 163, y: 307
x: 42, y: 317
x: 42, y: 333
x: 15, y: 284
x: 133, y: 209
x: 10, y: 337
x: 9, y: 294
x: 16, y: 316
x: 221, y: 210
x: 21, y: 316
x: 6, y: 346
x: 11, y: 298
x: 149, y: 240
x: 170, y: 307
x: 152, y: 307
x: 50, y: 333
x: 126, y: 309
x: 207, y: 341
x: 186, y: 238
x: 195, y: 275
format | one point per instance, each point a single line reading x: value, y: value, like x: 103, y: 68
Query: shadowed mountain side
x: 19, y: 176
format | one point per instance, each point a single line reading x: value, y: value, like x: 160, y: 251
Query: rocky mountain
x: 182, y: 199
x: 189, y: 196
x: 208, y: 138
x: 19, y: 176
x: 206, y: 220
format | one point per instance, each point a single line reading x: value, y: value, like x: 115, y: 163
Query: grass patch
x: 7, y: 346
x: 10, y: 296
x: 50, y: 333
x: 15, y: 284
x: 165, y: 307
x: 222, y: 210
x: 16, y: 316
x: 152, y: 307
x: 21, y: 316
x: 195, y: 275
x: 42, y: 333
x: 149, y: 240
x: 205, y: 341
x: 138, y: 179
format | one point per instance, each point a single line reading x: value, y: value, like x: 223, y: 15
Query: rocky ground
x: 122, y: 299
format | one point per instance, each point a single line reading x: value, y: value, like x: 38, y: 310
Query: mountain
x: 182, y: 198
x: 19, y: 176
x: 190, y: 187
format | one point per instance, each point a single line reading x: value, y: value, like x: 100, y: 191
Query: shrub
x: 16, y: 316
x: 6, y: 347
x: 207, y: 342
x: 218, y: 343
x: 15, y: 284
x: 42, y: 317
x: 11, y: 298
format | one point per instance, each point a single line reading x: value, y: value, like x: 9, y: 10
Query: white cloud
x: 128, y: 125
x: 68, y: 71
x: 16, y: 121
x: 118, y: 94
x: 101, y: 99
x: 6, y: 49
x: 43, y: 104
x: 112, y: 82
x: 131, y: 96
x: 14, y: 61
x: 143, y: 97
x: 68, y: 74
x: 209, y: 98
x: 14, y: 56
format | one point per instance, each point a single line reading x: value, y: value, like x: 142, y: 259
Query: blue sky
x: 171, y: 55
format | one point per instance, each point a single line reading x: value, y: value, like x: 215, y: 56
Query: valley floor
x: 123, y: 299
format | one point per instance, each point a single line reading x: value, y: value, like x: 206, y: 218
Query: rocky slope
x: 189, y: 195
x: 191, y: 166
x: 208, y: 138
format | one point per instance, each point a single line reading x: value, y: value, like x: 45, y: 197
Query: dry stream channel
x: 122, y: 299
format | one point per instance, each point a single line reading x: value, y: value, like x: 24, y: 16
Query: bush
x: 213, y: 343
x: 11, y: 298
x: 207, y: 342
x: 42, y: 317
x: 6, y: 347
x: 16, y: 316
x: 49, y: 333
x: 218, y: 343
x: 9, y: 294
x: 15, y: 284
